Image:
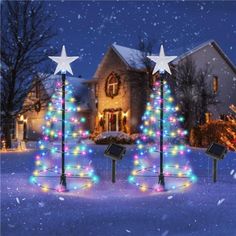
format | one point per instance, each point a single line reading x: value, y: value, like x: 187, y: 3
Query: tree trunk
x: 7, y: 132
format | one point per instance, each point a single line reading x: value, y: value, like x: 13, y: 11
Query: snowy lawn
x: 118, y: 209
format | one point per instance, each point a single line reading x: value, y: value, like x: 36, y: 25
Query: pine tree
x: 79, y: 172
x: 145, y: 172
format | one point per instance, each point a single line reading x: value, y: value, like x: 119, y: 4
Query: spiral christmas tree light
x: 161, y: 138
x: 63, y: 154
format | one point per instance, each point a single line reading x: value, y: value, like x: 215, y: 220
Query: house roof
x: 80, y: 89
x: 211, y: 43
x: 133, y: 57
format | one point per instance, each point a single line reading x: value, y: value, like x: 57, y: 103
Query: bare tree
x: 25, y: 34
x: 192, y: 92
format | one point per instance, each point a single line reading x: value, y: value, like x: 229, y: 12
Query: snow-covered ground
x: 118, y: 209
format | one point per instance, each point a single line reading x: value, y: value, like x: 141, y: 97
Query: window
x: 215, y: 84
x: 208, y: 117
x: 112, y: 85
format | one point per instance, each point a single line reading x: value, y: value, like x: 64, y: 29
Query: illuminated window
x: 112, y: 85
x: 208, y: 117
x: 215, y: 84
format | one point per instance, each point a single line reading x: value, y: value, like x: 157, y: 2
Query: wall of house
x: 139, y: 98
x: 112, y: 63
x: 35, y: 121
x: 210, y: 57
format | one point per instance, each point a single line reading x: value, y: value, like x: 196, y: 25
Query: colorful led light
x: 146, y: 159
x: 47, y: 174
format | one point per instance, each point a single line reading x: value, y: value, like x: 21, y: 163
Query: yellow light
x: 41, y: 147
x: 45, y: 188
x: 187, y: 184
x: 35, y: 173
x: 78, y: 109
x: 180, y: 174
x: 81, y: 174
x: 140, y: 146
x: 170, y: 99
x: 78, y: 166
x: 173, y: 152
x: 38, y: 162
x: 89, y: 185
x: 72, y: 99
x: 134, y: 172
x: 143, y: 188
x: 136, y: 162
x: 176, y: 166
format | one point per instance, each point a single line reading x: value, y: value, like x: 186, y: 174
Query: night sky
x: 88, y: 28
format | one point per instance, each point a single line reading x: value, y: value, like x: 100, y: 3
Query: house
x: 32, y: 115
x: 221, y: 77
x: 115, y: 98
x: 121, y: 90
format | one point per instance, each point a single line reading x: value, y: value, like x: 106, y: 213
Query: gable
x: 110, y: 62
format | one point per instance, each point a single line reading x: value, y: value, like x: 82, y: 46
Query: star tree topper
x: 63, y: 62
x: 161, y: 62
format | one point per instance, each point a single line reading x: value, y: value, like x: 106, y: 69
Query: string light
x: 47, y: 174
x: 145, y: 174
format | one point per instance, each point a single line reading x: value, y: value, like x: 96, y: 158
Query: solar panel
x: 115, y: 151
x: 217, y: 151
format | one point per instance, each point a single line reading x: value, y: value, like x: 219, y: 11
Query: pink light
x: 185, y: 167
x: 136, y: 157
x: 37, y: 157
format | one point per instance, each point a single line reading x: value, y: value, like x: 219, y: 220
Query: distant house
x: 222, y: 76
x: 115, y: 98
x: 29, y: 123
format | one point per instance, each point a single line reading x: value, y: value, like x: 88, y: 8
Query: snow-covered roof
x: 211, y: 43
x: 131, y: 57
x: 80, y: 89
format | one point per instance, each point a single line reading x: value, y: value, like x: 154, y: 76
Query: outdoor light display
x: 161, y: 137
x: 79, y: 172
x: 145, y: 172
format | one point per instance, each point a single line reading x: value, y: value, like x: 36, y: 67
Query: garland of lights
x: 144, y: 175
x: 47, y: 173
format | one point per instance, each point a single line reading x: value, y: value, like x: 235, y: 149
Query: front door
x: 112, y: 121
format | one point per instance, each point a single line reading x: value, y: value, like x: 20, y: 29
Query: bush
x: 113, y: 137
x: 215, y: 131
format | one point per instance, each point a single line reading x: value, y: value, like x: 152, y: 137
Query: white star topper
x: 63, y: 62
x: 161, y: 62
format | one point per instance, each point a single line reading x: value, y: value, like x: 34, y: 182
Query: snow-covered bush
x: 113, y: 136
